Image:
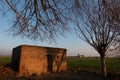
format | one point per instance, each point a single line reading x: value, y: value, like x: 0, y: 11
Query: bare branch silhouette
x: 39, y: 19
x: 97, y: 27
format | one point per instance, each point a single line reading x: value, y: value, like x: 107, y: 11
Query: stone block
x: 29, y: 60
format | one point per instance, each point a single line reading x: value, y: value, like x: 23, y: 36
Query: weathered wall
x: 56, y: 59
x: 16, y: 58
x: 28, y: 60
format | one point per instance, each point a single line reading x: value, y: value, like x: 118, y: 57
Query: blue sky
x: 71, y: 42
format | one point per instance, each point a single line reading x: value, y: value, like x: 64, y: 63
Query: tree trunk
x: 103, y: 65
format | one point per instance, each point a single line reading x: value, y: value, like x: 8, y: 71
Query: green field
x: 93, y: 64
x: 88, y: 69
x: 5, y: 60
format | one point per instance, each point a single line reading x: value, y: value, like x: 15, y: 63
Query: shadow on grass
x: 7, y: 73
x: 71, y: 74
x: 65, y: 76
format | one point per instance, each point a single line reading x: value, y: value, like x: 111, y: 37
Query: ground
x: 6, y: 73
x: 75, y: 71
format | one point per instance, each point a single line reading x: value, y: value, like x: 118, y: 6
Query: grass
x: 113, y: 64
x: 5, y: 60
x: 87, y: 63
x: 93, y: 64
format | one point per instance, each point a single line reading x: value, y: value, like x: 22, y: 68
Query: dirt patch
x: 6, y: 73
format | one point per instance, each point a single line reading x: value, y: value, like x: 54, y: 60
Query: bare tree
x: 45, y: 19
x: 113, y: 8
x: 95, y: 25
x: 39, y: 19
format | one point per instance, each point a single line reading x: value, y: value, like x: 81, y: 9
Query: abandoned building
x: 29, y: 60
